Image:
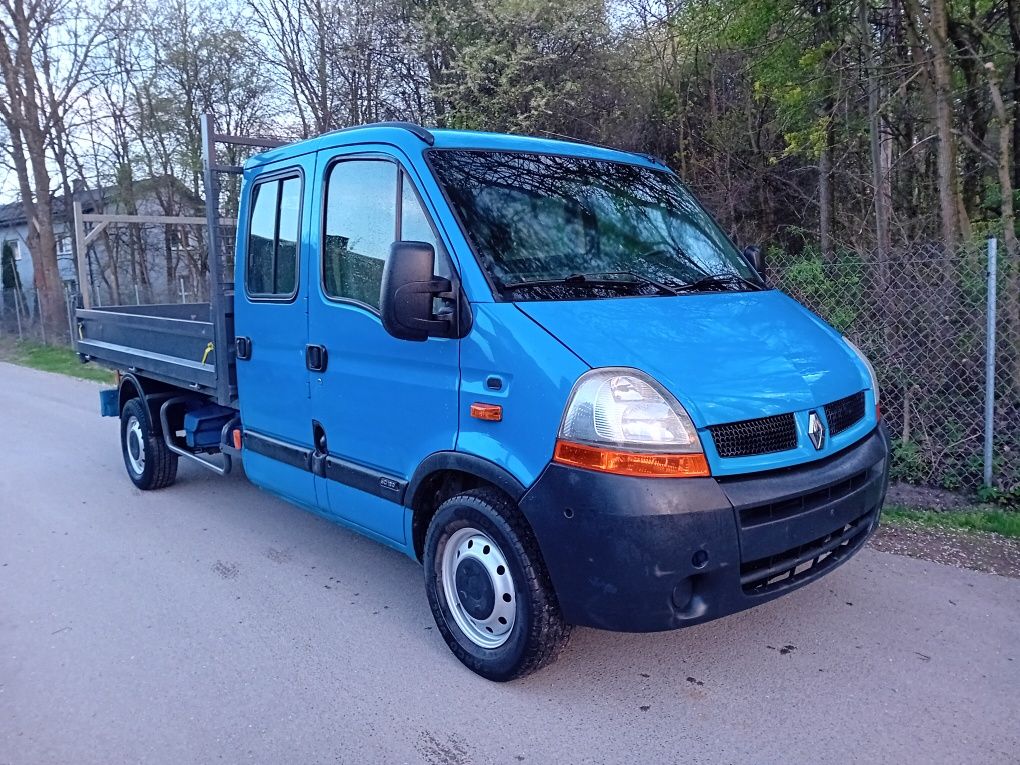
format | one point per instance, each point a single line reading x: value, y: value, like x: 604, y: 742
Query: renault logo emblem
x: 816, y: 430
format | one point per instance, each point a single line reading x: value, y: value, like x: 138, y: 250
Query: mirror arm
x: 436, y: 327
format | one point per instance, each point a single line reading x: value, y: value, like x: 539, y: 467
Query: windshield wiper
x: 594, y: 277
x: 717, y: 280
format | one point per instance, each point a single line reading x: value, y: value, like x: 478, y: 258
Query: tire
x: 150, y: 464
x: 480, y: 537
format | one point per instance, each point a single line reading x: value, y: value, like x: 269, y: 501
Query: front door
x: 271, y: 323
x: 382, y: 404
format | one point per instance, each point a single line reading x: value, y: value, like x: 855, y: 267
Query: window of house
x: 273, y: 234
x: 12, y: 249
x: 64, y: 247
x: 362, y: 222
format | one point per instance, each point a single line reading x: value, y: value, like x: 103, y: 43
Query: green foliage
x: 1005, y: 523
x: 1007, y: 498
x: 515, y: 65
x: 908, y: 463
x: 833, y: 290
x: 63, y: 361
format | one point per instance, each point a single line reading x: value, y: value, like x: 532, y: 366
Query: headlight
x: 621, y: 421
x: 871, y: 369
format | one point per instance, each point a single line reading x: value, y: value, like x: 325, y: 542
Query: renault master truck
x: 538, y: 367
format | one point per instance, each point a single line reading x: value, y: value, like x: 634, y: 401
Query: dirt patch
x: 928, y: 497
x: 980, y: 552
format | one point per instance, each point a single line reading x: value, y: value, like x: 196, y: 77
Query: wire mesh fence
x: 921, y: 316
x: 21, y: 316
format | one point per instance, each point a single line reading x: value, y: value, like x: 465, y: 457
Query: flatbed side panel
x: 169, y: 369
x: 187, y: 311
x: 174, y: 350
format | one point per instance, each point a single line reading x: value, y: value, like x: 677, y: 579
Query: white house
x: 126, y: 264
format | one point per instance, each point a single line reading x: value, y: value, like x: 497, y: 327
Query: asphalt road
x: 211, y: 622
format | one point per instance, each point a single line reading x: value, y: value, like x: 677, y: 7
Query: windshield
x: 548, y: 227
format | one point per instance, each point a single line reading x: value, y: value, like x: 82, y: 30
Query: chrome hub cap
x: 478, y: 588
x: 135, y: 445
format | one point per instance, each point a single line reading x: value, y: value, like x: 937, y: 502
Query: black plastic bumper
x: 645, y: 554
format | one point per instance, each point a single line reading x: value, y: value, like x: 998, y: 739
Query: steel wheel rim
x: 471, y: 550
x: 135, y: 445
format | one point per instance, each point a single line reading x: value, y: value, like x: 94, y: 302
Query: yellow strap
x: 208, y: 350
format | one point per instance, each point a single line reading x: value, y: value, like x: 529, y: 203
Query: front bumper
x: 644, y: 554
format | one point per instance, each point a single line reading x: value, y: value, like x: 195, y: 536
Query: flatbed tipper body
x: 172, y: 343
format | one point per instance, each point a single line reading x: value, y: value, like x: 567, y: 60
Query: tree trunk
x: 1011, y: 291
x: 27, y: 129
x: 825, y: 195
x: 942, y: 68
x: 879, y: 166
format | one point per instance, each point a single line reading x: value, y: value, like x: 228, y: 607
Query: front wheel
x: 150, y: 464
x: 488, y: 587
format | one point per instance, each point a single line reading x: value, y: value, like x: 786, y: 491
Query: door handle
x: 242, y: 346
x: 316, y: 358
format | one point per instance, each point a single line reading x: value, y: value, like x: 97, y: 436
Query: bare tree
x: 45, y: 50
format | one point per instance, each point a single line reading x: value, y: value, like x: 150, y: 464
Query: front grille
x: 844, y: 413
x: 805, y: 561
x: 761, y: 436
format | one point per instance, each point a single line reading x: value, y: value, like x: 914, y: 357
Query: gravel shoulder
x: 990, y: 553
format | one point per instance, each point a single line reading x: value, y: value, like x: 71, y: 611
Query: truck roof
x: 413, y: 138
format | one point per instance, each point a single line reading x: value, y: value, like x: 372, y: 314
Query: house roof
x: 13, y: 213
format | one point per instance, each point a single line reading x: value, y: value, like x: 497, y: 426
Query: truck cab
x: 541, y: 369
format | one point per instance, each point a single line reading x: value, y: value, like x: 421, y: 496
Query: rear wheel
x: 150, y: 464
x: 488, y: 587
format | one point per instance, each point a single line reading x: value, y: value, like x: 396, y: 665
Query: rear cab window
x: 271, y: 271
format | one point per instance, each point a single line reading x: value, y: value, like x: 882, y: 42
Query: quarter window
x: 273, y: 238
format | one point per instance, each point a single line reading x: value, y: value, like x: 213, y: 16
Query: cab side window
x: 361, y: 211
x: 273, y: 235
x: 363, y: 221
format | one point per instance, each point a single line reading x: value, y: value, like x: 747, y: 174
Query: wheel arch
x: 445, y: 474
x: 150, y: 391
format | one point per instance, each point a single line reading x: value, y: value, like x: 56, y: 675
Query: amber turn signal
x: 631, y: 463
x: 487, y: 412
x: 237, y: 438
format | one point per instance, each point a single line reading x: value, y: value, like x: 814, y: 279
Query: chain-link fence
x: 129, y: 264
x: 921, y: 316
x: 21, y: 317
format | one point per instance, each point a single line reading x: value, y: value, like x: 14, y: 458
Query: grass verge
x: 51, y: 358
x: 1004, y: 522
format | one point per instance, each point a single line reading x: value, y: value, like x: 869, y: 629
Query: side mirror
x: 753, y: 254
x: 409, y: 285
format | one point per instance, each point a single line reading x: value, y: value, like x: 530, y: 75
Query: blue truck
x: 538, y: 367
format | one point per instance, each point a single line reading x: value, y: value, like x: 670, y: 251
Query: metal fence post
x: 17, y: 312
x: 39, y: 315
x: 70, y: 301
x: 990, y: 361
